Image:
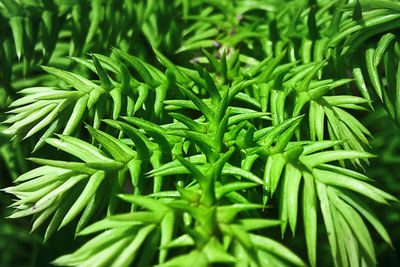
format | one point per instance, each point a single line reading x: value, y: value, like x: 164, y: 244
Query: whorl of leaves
x: 177, y: 164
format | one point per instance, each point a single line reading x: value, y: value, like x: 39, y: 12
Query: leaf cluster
x: 174, y: 142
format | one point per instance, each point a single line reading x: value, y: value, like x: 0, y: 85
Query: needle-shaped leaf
x: 118, y: 150
x: 272, y: 172
x: 356, y: 223
x: 320, y: 145
x: 104, y: 79
x: 19, y: 125
x: 231, y: 170
x: 48, y: 119
x: 212, y: 88
x: 121, y: 221
x: 129, y: 252
x: 293, y: 177
x: 285, y: 137
x: 154, y: 130
x: 276, y: 248
x: 197, y: 174
x: 143, y: 92
x: 191, y: 124
x: 328, y: 216
x: 74, y: 166
x: 207, y: 112
x: 116, y: 95
x: 383, y: 44
x: 145, y: 202
x: 16, y: 23
x: 171, y: 67
x: 234, y: 186
x: 137, y: 64
x: 82, y: 201
x: 335, y: 179
x: 39, y: 172
x: 366, y: 212
x: 194, y: 257
x: 242, y: 117
x: 360, y: 81
x: 270, y: 136
x: 333, y: 155
x: 78, y: 82
x: 167, y: 229
x: 142, y: 143
x: 78, y: 148
x: 216, y: 253
x: 373, y: 72
x: 256, y: 224
x: 76, y: 116
x: 397, y: 94
x: 310, y: 217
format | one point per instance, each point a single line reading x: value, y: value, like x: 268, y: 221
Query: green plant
x: 195, y: 142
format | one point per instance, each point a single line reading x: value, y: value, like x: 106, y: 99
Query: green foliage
x: 177, y: 125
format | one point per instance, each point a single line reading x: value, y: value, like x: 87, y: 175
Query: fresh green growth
x: 178, y: 126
